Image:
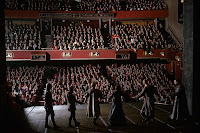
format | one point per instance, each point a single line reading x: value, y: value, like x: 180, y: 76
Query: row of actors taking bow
x: 116, y: 115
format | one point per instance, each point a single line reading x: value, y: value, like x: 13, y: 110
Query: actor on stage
x: 93, y: 108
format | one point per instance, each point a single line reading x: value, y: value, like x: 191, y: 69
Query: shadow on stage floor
x: 162, y: 124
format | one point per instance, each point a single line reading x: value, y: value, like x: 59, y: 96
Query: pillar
x: 196, y: 56
x: 191, y: 56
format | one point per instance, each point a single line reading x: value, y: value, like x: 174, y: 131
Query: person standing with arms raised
x: 148, y: 92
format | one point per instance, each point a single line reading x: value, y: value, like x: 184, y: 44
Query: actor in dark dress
x: 180, y: 109
x: 148, y: 93
x: 49, y: 107
x: 116, y: 115
x: 72, y: 107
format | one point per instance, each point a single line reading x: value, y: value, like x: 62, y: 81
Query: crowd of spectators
x: 80, y: 78
x: 85, y: 5
x: 132, y: 5
x: 99, y: 5
x: 22, y: 37
x: 130, y: 77
x: 77, y: 38
x: 12, y: 4
x: 26, y: 82
x: 39, y: 5
x: 80, y: 37
x: 129, y: 36
x: 133, y: 36
x: 49, y: 5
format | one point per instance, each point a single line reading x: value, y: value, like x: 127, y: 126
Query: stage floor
x: 161, y: 124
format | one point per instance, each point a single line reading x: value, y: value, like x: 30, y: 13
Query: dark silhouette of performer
x: 93, y: 108
x: 72, y: 107
x: 116, y: 115
x: 148, y: 93
x: 13, y: 118
x: 49, y: 107
x: 180, y: 108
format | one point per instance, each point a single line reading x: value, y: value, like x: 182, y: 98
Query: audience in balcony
x: 99, y: 6
x: 85, y: 5
x: 22, y: 37
x: 77, y: 38
x: 133, y: 5
x: 39, y: 5
x: 80, y: 37
x: 132, y: 36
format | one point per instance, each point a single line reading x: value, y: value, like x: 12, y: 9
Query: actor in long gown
x: 148, y: 93
x: 116, y: 115
x: 180, y: 109
x: 93, y: 107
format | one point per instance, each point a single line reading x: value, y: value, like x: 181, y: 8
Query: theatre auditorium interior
x: 122, y: 48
